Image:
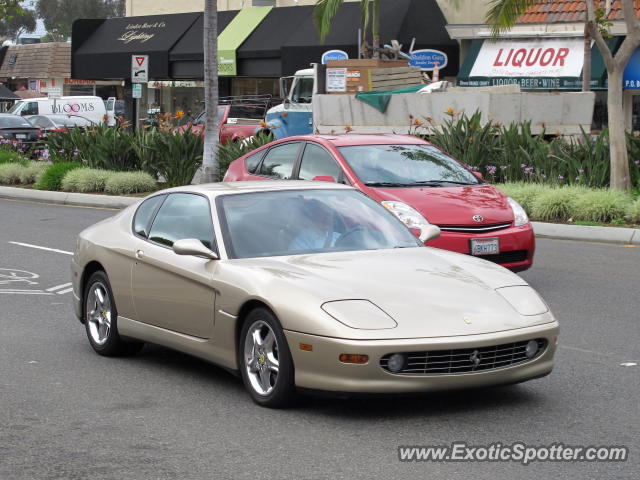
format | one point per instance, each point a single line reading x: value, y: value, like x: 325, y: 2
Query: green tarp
x: 380, y: 100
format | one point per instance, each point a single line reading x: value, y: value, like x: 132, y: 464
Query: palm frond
x: 364, y: 4
x: 503, y: 14
x: 323, y: 14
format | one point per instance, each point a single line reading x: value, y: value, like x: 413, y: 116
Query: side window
x: 278, y: 163
x: 183, y: 215
x: 143, y: 216
x: 252, y: 161
x: 316, y: 162
x: 302, y: 90
x: 30, y: 108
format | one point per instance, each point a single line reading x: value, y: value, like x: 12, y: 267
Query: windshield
x: 11, y: 121
x: 302, y: 90
x: 406, y: 165
x: 16, y: 106
x: 266, y: 224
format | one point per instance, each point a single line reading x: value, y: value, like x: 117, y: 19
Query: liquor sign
x: 541, y: 58
x: 334, y: 55
x: 428, y: 59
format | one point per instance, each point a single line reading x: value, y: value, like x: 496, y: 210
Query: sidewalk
x: 624, y: 236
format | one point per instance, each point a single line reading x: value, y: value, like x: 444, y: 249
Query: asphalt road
x: 69, y: 413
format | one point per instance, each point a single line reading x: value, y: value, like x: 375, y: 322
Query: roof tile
x: 568, y: 11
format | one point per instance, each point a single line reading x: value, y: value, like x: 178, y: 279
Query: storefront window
x: 255, y: 86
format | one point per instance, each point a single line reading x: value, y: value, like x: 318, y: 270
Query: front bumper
x: 320, y: 369
x: 520, y: 240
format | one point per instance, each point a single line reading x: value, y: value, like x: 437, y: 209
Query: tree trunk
x: 375, y: 29
x: 210, y: 167
x: 586, y: 68
x: 619, y: 179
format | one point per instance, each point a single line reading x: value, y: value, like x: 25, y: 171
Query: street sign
x: 334, y: 55
x: 54, y: 92
x: 139, y: 68
x: 427, y: 59
x: 336, y: 79
x: 136, y: 90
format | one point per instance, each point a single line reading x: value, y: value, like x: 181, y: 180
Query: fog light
x: 396, y: 362
x: 532, y: 348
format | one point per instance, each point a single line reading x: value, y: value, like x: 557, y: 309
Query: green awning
x: 598, y: 73
x: 235, y: 34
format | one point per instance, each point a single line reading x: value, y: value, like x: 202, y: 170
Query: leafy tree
x: 16, y: 22
x: 210, y: 165
x: 503, y: 14
x: 59, y: 15
x: 326, y: 10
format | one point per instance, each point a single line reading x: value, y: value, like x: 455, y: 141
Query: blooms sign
x: 555, y: 57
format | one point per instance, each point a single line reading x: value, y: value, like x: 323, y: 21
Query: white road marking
x: 629, y: 364
x: 66, y: 290
x: 42, y: 248
x: 58, y: 287
x: 25, y: 292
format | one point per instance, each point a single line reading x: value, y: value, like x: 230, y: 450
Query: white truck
x: 306, y: 111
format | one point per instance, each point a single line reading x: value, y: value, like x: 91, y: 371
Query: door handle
x: 139, y: 254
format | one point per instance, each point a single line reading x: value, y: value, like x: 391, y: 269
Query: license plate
x: 21, y: 135
x: 485, y: 246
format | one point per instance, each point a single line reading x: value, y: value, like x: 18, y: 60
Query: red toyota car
x: 415, y: 180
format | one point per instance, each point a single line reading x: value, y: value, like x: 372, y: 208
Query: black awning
x: 7, y: 95
x: 401, y: 20
x: 105, y: 53
x: 190, y: 46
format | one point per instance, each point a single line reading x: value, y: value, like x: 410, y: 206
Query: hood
x: 427, y: 292
x: 453, y: 205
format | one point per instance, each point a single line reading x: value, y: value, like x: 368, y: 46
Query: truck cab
x: 294, y: 116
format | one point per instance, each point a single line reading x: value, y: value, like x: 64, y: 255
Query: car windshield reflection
x: 265, y: 224
x: 406, y: 166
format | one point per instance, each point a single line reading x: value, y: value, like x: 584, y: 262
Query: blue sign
x: 631, y: 79
x: 426, y: 59
x: 334, y: 55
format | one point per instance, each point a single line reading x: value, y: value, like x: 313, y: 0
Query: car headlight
x: 519, y: 214
x: 407, y: 215
x: 360, y: 314
x: 524, y: 299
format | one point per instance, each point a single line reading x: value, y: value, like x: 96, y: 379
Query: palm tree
x: 503, y: 14
x: 210, y: 167
x: 325, y: 11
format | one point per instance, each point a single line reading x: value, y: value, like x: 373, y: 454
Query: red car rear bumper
x: 517, y: 245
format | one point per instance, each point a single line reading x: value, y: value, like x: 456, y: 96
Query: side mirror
x: 429, y: 232
x: 478, y: 175
x: 324, y: 178
x: 191, y: 246
x: 286, y: 103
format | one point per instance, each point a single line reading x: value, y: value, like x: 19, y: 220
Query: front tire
x: 265, y: 361
x: 101, y: 319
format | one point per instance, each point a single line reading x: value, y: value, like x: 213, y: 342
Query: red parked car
x: 415, y: 180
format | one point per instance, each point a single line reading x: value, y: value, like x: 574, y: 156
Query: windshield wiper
x: 387, y: 184
x: 431, y: 183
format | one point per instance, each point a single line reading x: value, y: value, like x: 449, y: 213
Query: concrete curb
x: 66, y: 198
x: 627, y: 236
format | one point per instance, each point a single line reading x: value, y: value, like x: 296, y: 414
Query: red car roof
x: 351, y: 139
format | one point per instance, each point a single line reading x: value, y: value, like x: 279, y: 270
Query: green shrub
x: 10, y: 156
x: 130, y: 182
x: 601, y: 205
x: 523, y: 193
x: 233, y: 150
x: 85, y: 180
x: 177, y: 158
x: 51, y: 177
x: 31, y: 171
x: 554, y: 204
x: 633, y: 212
x: 10, y: 173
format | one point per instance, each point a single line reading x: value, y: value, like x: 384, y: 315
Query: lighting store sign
x: 551, y: 58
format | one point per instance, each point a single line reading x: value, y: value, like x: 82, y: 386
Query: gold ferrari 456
x: 305, y: 286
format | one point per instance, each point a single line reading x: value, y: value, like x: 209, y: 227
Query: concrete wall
x: 469, y: 11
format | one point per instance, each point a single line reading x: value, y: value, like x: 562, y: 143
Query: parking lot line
x: 41, y: 248
x: 58, y: 287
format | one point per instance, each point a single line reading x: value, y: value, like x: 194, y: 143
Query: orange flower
x: 347, y: 128
x: 417, y: 121
x: 450, y: 111
x: 263, y: 124
x: 179, y: 114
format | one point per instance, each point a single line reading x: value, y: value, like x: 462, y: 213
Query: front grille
x: 510, y: 256
x: 465, y: 360
x: 474, y: 228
